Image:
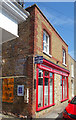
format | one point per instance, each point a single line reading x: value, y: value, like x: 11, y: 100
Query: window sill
x: 47, y: 54
x: 64, y: 100
x: 42, y: 108
x: 64, y: 64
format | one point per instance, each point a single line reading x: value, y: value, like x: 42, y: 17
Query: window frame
x: 49, y: 105
x: 62, y: 100
x: 64, y: 58
x: 44, y: 42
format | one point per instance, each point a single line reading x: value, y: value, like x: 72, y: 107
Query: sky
x: 61, y: 16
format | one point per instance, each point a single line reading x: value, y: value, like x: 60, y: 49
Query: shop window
x: 7, y: 92
x: 45, y: 89
x: 64, y: 88
x: 46, y: 92
x: 40, y: 88
x: 64, y: 57
x: 61, y: 87
x: 51, y: 90
x: 46, y: 73
x: 45, y: 42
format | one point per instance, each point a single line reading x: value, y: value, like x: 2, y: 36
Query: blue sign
x: 20, y: 90
x: 38, y: 60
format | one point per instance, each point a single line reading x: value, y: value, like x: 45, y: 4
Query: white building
x: 11, y: 14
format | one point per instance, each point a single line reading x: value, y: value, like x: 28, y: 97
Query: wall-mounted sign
x: 20, y: 90
x: 7, y: 90
x: 38, y: 60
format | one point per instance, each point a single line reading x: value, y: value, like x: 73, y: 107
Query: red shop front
x: 45, y: 84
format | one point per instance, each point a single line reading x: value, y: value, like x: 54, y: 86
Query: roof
x: 34, y: 5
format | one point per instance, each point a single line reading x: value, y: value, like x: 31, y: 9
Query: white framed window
x: 64, y: 56
x: 45, y: 42
x: 72, y: 70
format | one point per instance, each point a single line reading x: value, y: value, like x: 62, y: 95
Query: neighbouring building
x: 35, y: 86
x: 11, y: 14
x: 75, y: 77
x: 71, y: 63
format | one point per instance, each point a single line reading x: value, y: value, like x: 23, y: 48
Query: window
x: 64, y: 56
x: 45, y: 89
x: 64, y: 88
x: 72, y: 70
x: 40, y: 88
x: 45, y: 42
x: 7, y: 93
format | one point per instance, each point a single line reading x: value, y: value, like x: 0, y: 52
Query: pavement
x: 56, y: 113
x: 7, y: 117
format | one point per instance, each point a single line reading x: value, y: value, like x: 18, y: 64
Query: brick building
x: 45, y: 85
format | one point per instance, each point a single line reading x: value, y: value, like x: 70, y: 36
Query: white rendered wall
x: 7, y: 23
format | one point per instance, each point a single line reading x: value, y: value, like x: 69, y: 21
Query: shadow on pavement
x: 59, y: 117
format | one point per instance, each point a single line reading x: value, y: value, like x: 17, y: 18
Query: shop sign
x: 38, y: 60
x: 20, y: 90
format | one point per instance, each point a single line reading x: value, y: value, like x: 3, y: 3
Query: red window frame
x: 65, y: 91
x: 49, y: 105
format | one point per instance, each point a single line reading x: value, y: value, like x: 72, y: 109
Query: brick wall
x: 56, y: 43
x: 56, y: 46
x: 19, y: 54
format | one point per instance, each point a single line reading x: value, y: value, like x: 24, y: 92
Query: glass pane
x: 40, y: 75
x: 40, y: 88
x: 64, y: 56
x: 47, y: 39
x: 63, y: 77
x: 64, y: 89
x: 61, y: 88
x: 60, y: 77
x: 44, y: 37
x: 47, y: 48
x: 46, y: 92
x: 46, y: 73
x: 51, y: 75
x: 51, y: 91
x: 43, y: 45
